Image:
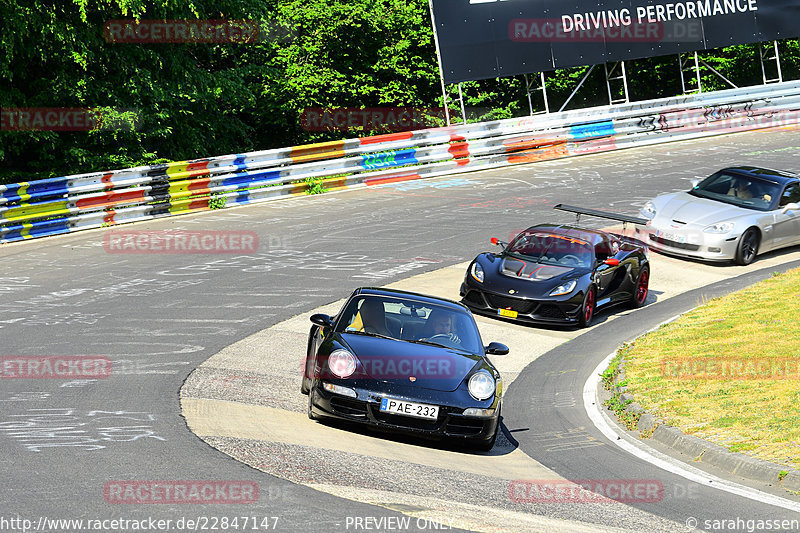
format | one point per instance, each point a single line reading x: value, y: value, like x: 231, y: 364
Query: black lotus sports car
x: 558, y: 274
x: 407, y: 363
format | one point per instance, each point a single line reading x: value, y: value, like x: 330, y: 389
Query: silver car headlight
x: 564, y: 288
x: 649, y: 210
x: 481, y: 385
x: 721, y: 227
x: 342, y: 363
x: 477, y: 272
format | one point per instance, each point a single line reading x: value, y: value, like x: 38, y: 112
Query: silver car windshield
x: 742, y: 191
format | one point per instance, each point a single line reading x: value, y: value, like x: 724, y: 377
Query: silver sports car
x: 734, y: 214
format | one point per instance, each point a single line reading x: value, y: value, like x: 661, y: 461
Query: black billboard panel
x: 481, y: 39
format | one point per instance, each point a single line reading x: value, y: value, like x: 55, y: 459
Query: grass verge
x: 729, y: 371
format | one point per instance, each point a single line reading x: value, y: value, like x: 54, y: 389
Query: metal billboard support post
x: 439, y: 59
x: 763, y: 55
x: 715, y: 71
x: 623, y: 77
x: 529, y: 89
x: 461, y: 99
x: 682, y: 66
x: 585, y: 76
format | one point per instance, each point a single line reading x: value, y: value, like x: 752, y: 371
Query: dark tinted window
x: 791, y: 194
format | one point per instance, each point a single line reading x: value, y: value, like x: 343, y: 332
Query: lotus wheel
x: 588, y: 308
x: 747, y: 249
x: 641, y: 289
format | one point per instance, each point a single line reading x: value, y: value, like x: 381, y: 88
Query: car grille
x: 515, y: 304
x: 349, y: 407
x: 550, y: 311
x: 475, y: 298
x: 404, y: 421
x: 464, y: 426
x: 673, y: 244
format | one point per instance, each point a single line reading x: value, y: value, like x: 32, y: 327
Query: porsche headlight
x: 649, y: 210
x: 477, y: 271
x: 342, y: 363
x: 564, y: 288
x: 721, y: 227
x: 481, y: 385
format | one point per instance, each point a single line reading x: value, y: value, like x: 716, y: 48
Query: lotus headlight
x: 477, y: 272
x: 342, y: 363
x: 564, y: 288
x: 649, y: 210
x: 722, y: 227
x: 481, y: 385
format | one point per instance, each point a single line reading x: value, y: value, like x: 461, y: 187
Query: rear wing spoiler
x: 625, y: 219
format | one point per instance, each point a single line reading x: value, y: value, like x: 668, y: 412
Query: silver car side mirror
x: 790, y: 207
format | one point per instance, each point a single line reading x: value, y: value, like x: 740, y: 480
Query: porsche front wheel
x: 310, y: 411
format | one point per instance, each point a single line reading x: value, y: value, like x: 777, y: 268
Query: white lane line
x: 664, y: 461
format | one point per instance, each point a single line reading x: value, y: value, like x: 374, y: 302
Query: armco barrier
x: 84, y: 201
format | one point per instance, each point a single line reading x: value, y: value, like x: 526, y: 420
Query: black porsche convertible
x: 404, y: 362
x: 557, y: 274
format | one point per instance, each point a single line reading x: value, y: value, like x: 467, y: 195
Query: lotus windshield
x: 551, y: 249
x: 748, y: 192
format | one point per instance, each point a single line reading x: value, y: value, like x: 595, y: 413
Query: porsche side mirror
x: 611, y: 261
x: 790, y: 207
x: 322, y: 320
x: 495, y: 348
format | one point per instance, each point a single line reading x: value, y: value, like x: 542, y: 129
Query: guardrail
x: 72, y: 203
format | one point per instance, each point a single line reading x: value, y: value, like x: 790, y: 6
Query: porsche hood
x: 431, y: 367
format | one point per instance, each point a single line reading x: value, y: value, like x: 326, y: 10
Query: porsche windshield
x: 742, y: 191
x: 411, y: 321
x: 552, y: 249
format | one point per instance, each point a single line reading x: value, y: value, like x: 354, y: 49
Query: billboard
x: 480, y: 39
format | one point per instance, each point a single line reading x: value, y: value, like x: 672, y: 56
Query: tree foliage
x: 201, y: 99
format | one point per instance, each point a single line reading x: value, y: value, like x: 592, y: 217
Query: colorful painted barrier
x: 72, y: 203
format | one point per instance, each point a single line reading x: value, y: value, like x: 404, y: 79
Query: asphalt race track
x: 159, y: 316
